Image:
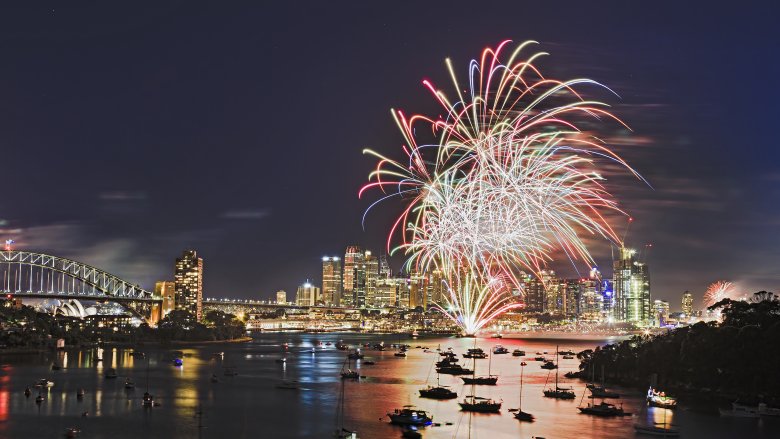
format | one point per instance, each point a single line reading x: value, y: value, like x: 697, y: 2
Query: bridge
x: 27, y: 274
x: 37, y: 275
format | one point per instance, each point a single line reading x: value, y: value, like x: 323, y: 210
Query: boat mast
x: 522, y: 367
x: 556, y: 368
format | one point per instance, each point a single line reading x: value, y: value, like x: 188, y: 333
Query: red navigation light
x: 8, y: 296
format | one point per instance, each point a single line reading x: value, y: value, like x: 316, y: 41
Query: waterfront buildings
x: 188, y: 284
x: 332, y: 282
x: 631, y: 281
x: 660, y: 312
x: 281, y: 297
x: 307, y: 295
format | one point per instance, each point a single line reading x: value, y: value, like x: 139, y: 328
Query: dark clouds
x: 128, y: 134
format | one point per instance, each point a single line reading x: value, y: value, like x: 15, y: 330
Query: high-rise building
x: 384, y: 267
x: 387, y: 292
x: 631, y: 281
x: 418, y: 290
x: 404, y: 291
x: 535, y: 295
x: 307, y: 295
x: 353, y: 260
x: 591, y: 302
x: 372, y: 274
x: 165, y: 290
x: 570, y: 289
x: 687, y: 304
x: 660, y: 312
x: 188, y: 284
x: 331, y: 280
x: 435, y: 288
x: 281, y: 297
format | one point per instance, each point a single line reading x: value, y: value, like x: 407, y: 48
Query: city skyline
x: 133, y: 225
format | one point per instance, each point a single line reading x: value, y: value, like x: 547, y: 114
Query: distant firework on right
x: 718, y: 291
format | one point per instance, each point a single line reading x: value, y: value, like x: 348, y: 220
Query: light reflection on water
x: 250, y: 404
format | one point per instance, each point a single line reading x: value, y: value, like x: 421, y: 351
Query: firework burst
x: 499, y: 182
x: 718, y: 291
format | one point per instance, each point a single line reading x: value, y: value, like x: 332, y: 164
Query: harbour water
x: 250, y: 405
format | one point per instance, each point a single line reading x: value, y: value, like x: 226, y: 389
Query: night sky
x: 130, y: 134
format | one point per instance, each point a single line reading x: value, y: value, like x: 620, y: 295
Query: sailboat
x: 438, y: 392
x: 348, y: 373
x: 341, y: 432
x: 473, y: 403
x: 520, y: 415
x: 489, y: 380
x: 148, y: 400
x: 559, y: 392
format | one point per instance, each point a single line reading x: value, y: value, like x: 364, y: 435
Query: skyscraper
x: 372, y: 274
x: 331, y: 280
x: 632, y: 289
x: 281, y: 297
x: 687, y: 303
x: 660, y: 312
x: 307, y: 295
x: 188, y: 284
x: 353, y: 258
x: 591, y: 302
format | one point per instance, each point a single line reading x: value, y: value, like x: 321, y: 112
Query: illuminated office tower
x: 384, y: 267
x: 353, y: 258
x: 307, y: 295
x: 372, y: 274
x: 570, y: 292
x: 591, y: 301
x: 331, y: 280
x: 660, y: 312
x: 281, y: 297
x: 535, y: 295
x: 165, y: 291
x: 188, y: 284
x: 387, y: 292
x: 403, y: 292
x: 418, y: 294
x: 435, y: 288
x: 687, y: 304
x: 631, y: 282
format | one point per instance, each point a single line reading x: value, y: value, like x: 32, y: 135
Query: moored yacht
x: 438, y: 392
x: 473, y: 403
x: 660, y: 399
x: 518, y: 353
x: 498, y: 350
x: 408, y: 415
x: 604, y: 409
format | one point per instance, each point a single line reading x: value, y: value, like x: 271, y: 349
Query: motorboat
x: 355, y: 355
x: 659, y: 399
x: 27, y: 391
x: 498, y: 350
x: 540, y: 358
x: 473, y: 403
x: 40, y: 398
x: 129, y: 384
x: 518, y: 353
x: 740, y: 411
x: 178, y: 362
x: 475, y: 353
x: 603, y: 409
x: 497, y: 335
x: 400, y: 354
x: 549, y: 365
x: 490, y: 380
x: 80, y: 393
x: 568, y: 357
x: 341, y: 346
x: 408, y: 415
x: 148, y: 400
x: 439, y: 392
x: 368, y: 363
x: 72, y: 432
x: 569, y: 352
x: 110, y: 373
x: 44, y: 383
x: 454, y: 369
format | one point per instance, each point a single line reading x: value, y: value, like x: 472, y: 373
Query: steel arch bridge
x: 30, y: 274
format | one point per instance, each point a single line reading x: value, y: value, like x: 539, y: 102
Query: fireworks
x: 718, y: 291
x: 499, y: 183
